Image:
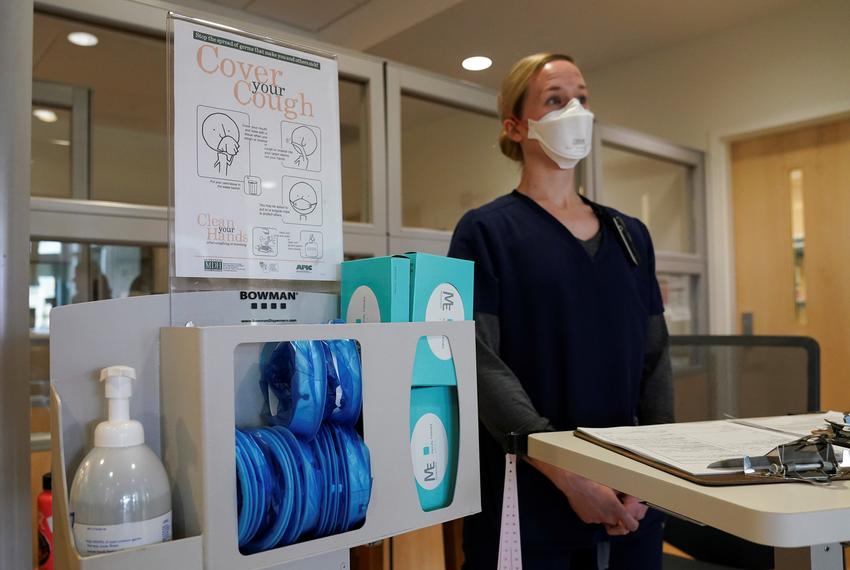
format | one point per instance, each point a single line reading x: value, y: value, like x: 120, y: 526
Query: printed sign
x: 256, y: 158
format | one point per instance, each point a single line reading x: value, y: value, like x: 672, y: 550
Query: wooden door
x: 767, y: 171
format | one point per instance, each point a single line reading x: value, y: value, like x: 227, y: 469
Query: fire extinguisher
x: 45, y: 524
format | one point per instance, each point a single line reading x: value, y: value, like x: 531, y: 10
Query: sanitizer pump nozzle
x: 119, y: 430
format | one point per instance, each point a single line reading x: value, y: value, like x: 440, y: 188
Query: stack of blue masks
x: 306, y: 382
x: 289, y: 490
x: 308, y: 475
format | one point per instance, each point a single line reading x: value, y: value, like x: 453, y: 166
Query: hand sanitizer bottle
x: 120, y: 496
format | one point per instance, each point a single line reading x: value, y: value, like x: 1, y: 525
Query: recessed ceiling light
x: 477, y: 63
x: 45, y: 115
x: 83, y: 39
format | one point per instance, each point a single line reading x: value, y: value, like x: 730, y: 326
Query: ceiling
x: 129, y: 91
x: 436, y: 35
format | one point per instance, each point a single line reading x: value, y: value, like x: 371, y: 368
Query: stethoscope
x: 619, y: 226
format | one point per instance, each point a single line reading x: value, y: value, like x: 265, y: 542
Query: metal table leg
x: 817, y: 557
x: 827, y: 556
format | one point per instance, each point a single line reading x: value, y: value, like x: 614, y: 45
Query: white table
x: 791, y: 515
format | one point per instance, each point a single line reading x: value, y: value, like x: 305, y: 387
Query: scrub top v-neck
x: 590, y: 245
x: 572, y: 329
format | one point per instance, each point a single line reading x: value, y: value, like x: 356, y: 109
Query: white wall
x: 795, y: 60
x: 777, y: 71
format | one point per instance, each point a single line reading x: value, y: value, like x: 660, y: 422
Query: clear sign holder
x: 255, y: 214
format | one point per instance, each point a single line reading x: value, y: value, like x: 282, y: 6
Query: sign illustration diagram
x: 265, y: 244
x: 312, y: 245
x: 265, y: 241
x: 303, y: 196
x: 221, y: 134
x: 304, y: 146
x: 221, y: 153
x: 257, y: 177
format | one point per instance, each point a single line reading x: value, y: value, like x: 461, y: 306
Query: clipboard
x: 719, y: 480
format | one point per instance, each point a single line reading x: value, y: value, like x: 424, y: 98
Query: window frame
x: 402, y: 80
x: 78, y: 100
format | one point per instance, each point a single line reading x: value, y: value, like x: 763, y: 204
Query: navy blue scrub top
x: 572, y: 329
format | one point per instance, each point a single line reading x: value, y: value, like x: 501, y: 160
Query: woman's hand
x: 634, y: 507
x: 595, y: 503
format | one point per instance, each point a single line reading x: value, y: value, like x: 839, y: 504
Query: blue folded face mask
x: 358, y: 485
x: 345, y: 386
x: 294, y: 385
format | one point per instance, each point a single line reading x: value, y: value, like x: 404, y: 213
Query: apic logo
x: 213, y: 265
x: 303, y: 268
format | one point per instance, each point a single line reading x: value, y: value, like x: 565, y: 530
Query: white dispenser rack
x: 196, y: 383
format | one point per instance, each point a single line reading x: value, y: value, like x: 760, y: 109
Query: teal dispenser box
x: 441, y: 289
x: 375, y: 290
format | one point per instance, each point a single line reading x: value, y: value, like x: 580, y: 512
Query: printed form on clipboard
x: 689, y: 448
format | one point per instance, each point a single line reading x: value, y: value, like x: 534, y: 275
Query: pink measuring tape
x: 510, y: 547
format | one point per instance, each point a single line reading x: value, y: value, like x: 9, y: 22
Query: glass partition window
x: 656, y: 191
x: 678, y: 293
x: 51, y: 151
x: 798, y: 243
x: 62, y: 273
x: 354, y: 140
x: 450, y: 163
x: 125, y: 74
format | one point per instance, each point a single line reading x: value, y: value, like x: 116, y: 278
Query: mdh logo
x: 213, y: 265
x: 303, y: 268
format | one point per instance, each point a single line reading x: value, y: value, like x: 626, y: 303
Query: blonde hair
x: 514, y: 90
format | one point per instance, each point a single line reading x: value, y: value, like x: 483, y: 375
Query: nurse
x: 570, y: 332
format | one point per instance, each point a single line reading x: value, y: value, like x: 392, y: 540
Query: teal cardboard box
x: 375, y: 290
x: 441, y: 289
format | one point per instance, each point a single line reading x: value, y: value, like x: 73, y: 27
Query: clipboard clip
x: 837, y: 433
x: 811, y: 459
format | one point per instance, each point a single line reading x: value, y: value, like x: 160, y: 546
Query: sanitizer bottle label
x: 96, y: 539
x: 429, y: 448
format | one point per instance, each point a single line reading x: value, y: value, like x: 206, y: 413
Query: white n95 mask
x: 565, y: 135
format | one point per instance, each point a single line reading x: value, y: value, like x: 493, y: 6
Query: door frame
x: 722, y: 301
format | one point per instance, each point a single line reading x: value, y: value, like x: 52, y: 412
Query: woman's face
x: 550, y: 89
